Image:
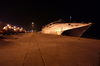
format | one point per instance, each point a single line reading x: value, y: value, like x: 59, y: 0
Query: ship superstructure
x: 66, y: 27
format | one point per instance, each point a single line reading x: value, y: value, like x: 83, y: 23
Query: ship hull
x: 78, y: 32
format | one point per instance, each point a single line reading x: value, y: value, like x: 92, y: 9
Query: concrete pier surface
x: 37, y: 49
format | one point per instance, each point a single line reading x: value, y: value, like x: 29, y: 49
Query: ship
x: 66, y: 27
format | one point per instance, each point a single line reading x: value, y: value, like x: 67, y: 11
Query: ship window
x: 50, y: 24
x: 69, y: 24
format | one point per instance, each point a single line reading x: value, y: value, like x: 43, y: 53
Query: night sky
x: 23, y: 13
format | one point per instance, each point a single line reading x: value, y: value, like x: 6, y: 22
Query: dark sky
x: 22, y: 13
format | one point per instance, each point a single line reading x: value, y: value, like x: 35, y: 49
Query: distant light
x: 18, y: 28
x: 21, y: 28
x: 4, y: 27
x: 32, y: 30
x: 70, y: 16
x: 7, y: 24
x: 9, y: 27
x: 32, y: 22
x: 14, y: 29
x: 14, y: 26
